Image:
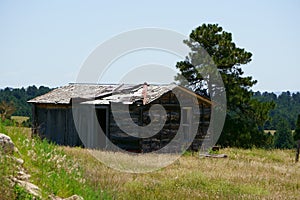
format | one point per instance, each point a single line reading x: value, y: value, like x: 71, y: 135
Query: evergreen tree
x: 287, y: 107
x: 246, y: 116
x: 283, y: 136
x: 18, y: 98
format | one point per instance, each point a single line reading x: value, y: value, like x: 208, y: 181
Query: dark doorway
x: 102, y: 119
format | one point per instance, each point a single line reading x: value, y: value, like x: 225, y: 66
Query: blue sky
x: 46, y: 42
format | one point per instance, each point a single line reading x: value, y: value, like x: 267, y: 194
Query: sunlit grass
x: 245, y: 174
x: 19, y: 119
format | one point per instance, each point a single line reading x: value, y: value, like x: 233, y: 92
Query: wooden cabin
x: 53, y: 115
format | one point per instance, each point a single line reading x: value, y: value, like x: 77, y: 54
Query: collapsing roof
x: 63, y: 95
x: 104, y: 94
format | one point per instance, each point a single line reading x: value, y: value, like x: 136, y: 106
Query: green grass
x: 7, y: 169
x: 246, y: 174
x: 51, y: 168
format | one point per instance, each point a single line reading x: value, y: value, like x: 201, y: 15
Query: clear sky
x: 46, y: 42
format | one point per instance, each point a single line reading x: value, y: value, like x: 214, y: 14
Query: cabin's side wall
x: 140, y: 115
x: 117, y: 136
x: 55, y: 123
x: 205, y: 112
x: 174, y: 110
x: 171, y: 126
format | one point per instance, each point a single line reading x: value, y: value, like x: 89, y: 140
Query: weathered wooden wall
x: 174, y: 120
x: 140, y: 115
x: 55, y: 122
x: 118, y: 136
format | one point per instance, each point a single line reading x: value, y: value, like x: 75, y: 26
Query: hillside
x: 64, y: 171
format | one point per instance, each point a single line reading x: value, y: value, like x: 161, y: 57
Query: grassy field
x: 246, y: 174
x: 19, y: 119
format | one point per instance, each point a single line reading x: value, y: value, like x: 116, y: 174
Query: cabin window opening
x: 186, y: 116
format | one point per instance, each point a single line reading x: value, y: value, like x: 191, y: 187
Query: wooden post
x: 34, y: 121
x: 297, y: 151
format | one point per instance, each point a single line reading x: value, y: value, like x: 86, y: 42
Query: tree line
x: 287, y: 106
x: 13, y: 101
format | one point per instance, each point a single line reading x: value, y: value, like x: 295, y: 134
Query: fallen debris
x: 213, y: 155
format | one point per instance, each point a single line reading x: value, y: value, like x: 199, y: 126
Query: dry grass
x: 246, y: 174
x: 272, y: 132
x: 22, y: 130
x: 19, y: 119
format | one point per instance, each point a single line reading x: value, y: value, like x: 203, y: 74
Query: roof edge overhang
x: 202, y: 98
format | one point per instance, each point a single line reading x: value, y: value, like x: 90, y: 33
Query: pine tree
x: 283, y: 136
x: 246, y: 116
